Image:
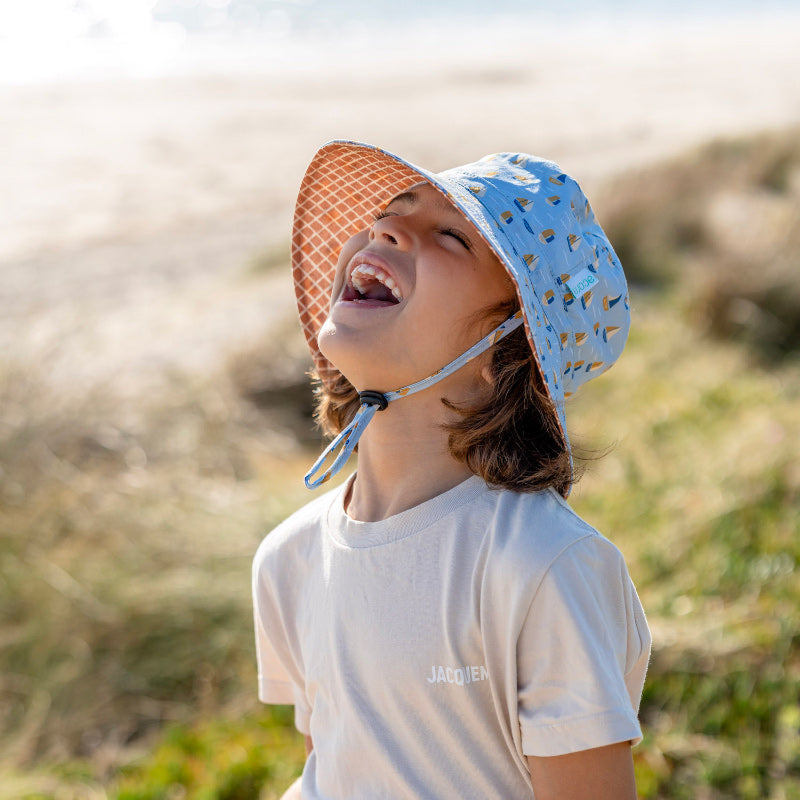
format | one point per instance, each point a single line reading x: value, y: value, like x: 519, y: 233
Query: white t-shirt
x: 427, y: 654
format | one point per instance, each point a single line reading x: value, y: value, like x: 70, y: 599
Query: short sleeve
x: 582, y: 654
x: 279, y: 668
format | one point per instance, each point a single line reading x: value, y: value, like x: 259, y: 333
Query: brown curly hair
x: 511, y: 439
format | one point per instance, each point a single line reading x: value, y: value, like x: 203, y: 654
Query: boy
x: 444, y: 624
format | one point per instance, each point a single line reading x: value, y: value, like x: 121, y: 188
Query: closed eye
x: 454, y: 232
x: 457, y: 234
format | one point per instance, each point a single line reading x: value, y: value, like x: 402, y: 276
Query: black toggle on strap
x: 373, y: 399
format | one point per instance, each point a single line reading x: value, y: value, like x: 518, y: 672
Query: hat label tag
x: 582, y: 282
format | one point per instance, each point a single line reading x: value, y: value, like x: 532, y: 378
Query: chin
x: 353, y: 357
x: 333, y: 344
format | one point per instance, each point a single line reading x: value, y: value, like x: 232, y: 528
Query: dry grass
x: 109, y: 517
x: 723, y: 224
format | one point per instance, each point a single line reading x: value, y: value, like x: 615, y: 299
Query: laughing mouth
x: 368, y: 282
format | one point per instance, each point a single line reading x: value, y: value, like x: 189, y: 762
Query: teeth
x: 362, y: 270
x: 390, y: 284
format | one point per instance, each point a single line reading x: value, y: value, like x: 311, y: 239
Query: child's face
x: 408, y: 294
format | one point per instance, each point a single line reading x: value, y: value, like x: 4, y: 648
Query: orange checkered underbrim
x: 344, y: 187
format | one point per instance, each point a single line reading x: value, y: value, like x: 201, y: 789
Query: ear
x: 486, y: 374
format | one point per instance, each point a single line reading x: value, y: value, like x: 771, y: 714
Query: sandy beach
x: 133, y: 211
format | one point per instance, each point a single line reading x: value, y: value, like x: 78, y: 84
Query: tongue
x: 377, y: 291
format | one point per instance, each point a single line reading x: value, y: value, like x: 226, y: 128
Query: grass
x: 219, y: 760
x: 702, y: 494
x: 106, y: 520
x: 127, y: 529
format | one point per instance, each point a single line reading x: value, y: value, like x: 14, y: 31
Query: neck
x: 403, y: 459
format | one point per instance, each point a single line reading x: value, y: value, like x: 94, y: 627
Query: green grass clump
x: 253, y: 755
x: 217, y: 760
x: 724, y: 722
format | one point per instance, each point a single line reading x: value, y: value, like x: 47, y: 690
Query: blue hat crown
x: 571, y: 285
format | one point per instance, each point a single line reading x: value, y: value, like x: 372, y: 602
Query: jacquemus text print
x: 460, y: 676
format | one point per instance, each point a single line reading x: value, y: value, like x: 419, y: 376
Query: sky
x: 69, y: 40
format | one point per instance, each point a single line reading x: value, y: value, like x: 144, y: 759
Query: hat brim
x: 345, y: 185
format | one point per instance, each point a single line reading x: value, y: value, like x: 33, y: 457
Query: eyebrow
x: 411, y: 197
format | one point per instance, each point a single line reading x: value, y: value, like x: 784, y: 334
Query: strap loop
x: 347, y: 440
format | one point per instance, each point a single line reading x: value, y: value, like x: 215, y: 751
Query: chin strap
x: 371, y: 402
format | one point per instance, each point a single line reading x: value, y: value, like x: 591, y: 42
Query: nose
x: 392, y: 230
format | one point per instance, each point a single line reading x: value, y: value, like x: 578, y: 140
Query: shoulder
x: 296, y: 539
x: 539, y: 527
x: 537, y: 536
x: 554, y: 571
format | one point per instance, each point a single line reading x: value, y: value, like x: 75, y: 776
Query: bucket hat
x: 570, y: 285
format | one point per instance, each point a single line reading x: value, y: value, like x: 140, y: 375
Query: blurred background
x: 154, y: 410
